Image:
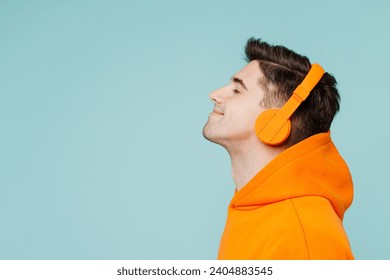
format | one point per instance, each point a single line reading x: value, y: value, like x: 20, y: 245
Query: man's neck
x: 247, y: 162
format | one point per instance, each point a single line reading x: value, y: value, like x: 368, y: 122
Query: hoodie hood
x: 313, y: 167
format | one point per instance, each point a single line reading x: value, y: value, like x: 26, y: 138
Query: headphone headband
x: 309, y: 82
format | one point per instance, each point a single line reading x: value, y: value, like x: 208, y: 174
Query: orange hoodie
x: 293, y: 208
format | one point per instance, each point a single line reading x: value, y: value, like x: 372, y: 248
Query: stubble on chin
x: 209, y: 132
x: 213, y: 134
x: 206, y: 131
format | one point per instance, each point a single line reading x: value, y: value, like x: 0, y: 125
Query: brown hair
x: 283, y: 70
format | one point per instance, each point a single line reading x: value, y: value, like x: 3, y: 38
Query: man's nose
x: 217, y: 96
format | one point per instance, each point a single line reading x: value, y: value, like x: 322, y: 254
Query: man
x: 291, y: 194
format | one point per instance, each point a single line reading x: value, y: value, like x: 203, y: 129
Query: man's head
x: 268, y: 81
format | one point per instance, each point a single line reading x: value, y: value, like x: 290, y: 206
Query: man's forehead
x: 249, y: 71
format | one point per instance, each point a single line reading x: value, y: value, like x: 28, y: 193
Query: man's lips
x: 217, y: 111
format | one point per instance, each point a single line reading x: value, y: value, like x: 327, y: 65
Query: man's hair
x: 283, y: 70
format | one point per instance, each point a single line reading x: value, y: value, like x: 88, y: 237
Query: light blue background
x: 102, y: 104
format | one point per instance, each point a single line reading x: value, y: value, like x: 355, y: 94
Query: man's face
x: 236, y: 107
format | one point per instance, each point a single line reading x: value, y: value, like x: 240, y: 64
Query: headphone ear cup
x: 264, y: 120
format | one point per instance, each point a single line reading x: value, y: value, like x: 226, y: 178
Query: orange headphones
x: 273, y: 126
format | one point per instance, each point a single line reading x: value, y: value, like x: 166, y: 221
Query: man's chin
x: 211, y: 136
x: 207, y: 133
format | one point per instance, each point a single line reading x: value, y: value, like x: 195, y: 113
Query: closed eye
x: 239, y: 81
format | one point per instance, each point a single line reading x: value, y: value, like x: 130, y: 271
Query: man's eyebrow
x: 239, y: 81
